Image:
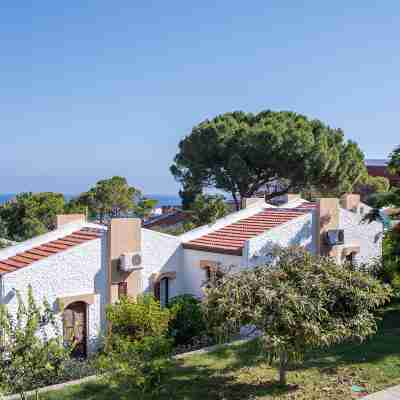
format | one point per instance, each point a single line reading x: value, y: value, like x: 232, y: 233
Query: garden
x: 324, y: 331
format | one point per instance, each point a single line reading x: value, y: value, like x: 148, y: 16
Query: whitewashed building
x: 81, y: 267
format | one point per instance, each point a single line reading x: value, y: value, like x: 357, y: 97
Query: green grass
x: 240, y: 373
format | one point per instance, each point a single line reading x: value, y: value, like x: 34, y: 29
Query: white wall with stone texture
x: 162, y: 253
x: 194, y: 276
x: 297, y: 232
x: 359, y: 233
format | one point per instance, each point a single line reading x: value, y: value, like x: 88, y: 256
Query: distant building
x: 379, y: 167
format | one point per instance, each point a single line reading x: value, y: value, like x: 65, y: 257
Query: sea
x: 162, y: 199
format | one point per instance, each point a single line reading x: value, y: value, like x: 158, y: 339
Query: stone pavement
x: 392, y: 393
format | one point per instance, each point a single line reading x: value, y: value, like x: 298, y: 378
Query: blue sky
x: 91, y: 89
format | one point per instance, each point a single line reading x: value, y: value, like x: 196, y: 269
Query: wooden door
x: 75, y: 328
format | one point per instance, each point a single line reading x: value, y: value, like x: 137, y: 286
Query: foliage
x: 299, y: 301
x: 137, y: 348
x: 31, y: 214
x: 240, y: 372
x: 33, y: 353
x: 206, y: 209
x: 372, y: 185
x: 114, y: 197
x: 394, y: 163
x: 187, y: 320
x: 136, y: 319
x: 388, y: 268
x: 241, y: 153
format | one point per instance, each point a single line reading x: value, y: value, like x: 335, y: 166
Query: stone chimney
x: 124, y: 242
x: 64, y: 219
x: 327, y: 218
x: 350, y: 201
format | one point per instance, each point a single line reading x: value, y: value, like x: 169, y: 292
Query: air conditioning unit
x: 129, y: 262
x: 335, y: 237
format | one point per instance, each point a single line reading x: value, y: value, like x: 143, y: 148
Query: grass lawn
x: 239, y: 373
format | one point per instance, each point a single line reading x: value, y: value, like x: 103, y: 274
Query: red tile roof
x: 45, y: 250
x: 167, y: 220
x: 231, y: 238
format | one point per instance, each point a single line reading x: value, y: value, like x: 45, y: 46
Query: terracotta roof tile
x: 45, y: 250
x: 231, y: 238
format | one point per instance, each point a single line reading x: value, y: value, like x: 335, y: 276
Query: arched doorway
x: 74, y: 321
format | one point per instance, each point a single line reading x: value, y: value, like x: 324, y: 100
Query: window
x: 122, y: 289
x: 164, y: 291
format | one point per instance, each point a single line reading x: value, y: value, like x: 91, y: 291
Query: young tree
x: 299, y: 302
x: 30, y: 214
x: 240, y: 153
x: 29, y: 356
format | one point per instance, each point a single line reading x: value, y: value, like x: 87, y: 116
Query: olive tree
x: 298, y: 301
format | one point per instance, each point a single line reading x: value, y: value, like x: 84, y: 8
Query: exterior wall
x: 357, y: 233
x: 298, y: 232
x: 194, y: 276
x: 80, y: 270
x: 161, y: 253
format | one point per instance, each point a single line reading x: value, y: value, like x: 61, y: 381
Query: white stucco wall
x: 79, y: 270
x: 194, y: 276
x: 358, y: 233
x: 298, y: 232
x: 162, y: 253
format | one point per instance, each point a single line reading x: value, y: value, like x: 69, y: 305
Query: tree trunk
x: 237, y: 202
x: 283, y: 363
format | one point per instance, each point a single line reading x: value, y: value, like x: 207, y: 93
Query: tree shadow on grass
x: 198, y: 383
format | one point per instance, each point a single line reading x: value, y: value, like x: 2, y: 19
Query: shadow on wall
x: 264, y: 254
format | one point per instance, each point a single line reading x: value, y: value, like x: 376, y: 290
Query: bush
x: 187, y: 323
x: 137, y: 347
x: 30, y: 358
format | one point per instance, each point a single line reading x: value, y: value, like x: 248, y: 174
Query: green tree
x: 388, y: 268
x: 242, y: 153
x: 30, y: 358
x: 113, y: 198
x: 299, y: 302
x: 30, y: 214
x: 138, y: 351
x: 371, y: 186
x: 206, y: 209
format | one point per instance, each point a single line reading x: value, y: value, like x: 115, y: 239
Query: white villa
x: 81, y: 267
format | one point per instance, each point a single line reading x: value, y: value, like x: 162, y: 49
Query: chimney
x: 327, y: 218
x: 249, y: 201
x: 350, y: 201
x: 124, y: 258
x: 290, y: 197
x: 63, y: 219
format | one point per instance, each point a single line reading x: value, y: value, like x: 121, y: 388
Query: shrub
x: 137, y: 347
x: 30, y: 357
x: 187, y: 322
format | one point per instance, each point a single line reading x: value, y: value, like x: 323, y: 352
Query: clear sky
x: 90, y: 89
